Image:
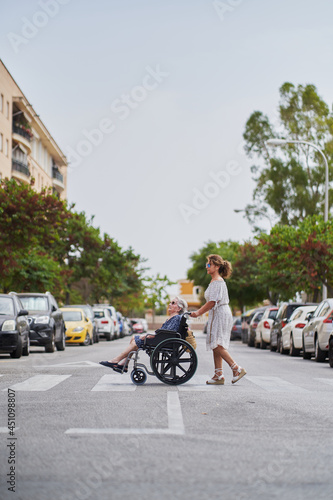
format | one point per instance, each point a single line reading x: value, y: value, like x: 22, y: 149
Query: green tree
x: 290, y: 180
x: 294, y: 259
x: 156, y: 294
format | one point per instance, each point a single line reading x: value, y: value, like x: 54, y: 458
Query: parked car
x: 246, y: 319
x: 88, y: 311
x: 330, y: 350
x: 105, y: 323
x: 113, y: 314
x: 253, y: 326
x: 291, y: 334
x: 137, y: 326
x: 316, y: 333
x: 285, y: 311
x: 143, y: 322
x: 127, y: 326
x: 14, y: 327
x: 79, y: 328
x: 263, y: 330
x: 47, y: 326
x: 236, y: 330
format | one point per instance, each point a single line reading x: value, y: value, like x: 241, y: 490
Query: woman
x: 176, y: 308
x: 219, y: 319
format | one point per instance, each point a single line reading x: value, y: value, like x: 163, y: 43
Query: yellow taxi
x: 79, y: 328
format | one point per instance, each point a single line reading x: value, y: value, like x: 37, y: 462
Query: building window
x: 7, y: 110
x: 1, y: 103
x: 6, y: 148
x: 1, y: 143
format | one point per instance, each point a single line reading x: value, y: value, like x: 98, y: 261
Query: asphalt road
x: 84, y: 432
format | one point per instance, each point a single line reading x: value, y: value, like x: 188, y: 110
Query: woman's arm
x: 206, y: 307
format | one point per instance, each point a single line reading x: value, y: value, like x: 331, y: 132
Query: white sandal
x: 220, y: 378
x: 240, y: 373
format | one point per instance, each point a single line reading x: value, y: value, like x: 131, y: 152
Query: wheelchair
x: 172, y: 360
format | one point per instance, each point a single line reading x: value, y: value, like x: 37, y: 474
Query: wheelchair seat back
x: 162, y: 335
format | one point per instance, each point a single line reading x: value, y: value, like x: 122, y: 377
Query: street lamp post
x: 282, y: 142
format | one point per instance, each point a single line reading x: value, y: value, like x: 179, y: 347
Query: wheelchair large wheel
x: 174, y: 361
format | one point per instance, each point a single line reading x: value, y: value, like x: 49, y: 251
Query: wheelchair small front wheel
x: 138, y: 376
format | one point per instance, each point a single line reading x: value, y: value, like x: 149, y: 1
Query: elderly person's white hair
x: 182, y: 304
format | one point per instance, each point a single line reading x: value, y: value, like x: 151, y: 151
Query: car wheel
x: 62, y: 343
x: 320, y: 355
x: 292, y: 349
x: 26, y: 349
x: 50, y: 347
x: 330, y: 353
x: 96, y: 337
x: 86, y: 340
x: 91, y: 340
x: 19, y: 348
x: 262, y: 343
x: 306, y: 355
x: 281, y: 349
x: 108, y: 336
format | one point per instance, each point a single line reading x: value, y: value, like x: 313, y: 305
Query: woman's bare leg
x: 131, y: 347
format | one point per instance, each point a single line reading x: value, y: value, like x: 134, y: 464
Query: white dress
x: 220, y: 317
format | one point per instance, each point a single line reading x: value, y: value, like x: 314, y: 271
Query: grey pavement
x: 85, y: 432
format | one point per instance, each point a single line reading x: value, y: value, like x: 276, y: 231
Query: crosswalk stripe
x: 39, y: 383
x: 114, y: 383
x: 275, y: 384
x: 327, y: 381
x: 198, y: 383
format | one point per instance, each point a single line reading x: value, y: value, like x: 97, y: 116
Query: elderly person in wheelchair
x: 176, y: 308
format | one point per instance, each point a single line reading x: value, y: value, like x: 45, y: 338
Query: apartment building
x: 28, y: 152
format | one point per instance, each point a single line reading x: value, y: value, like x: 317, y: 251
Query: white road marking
x: 39, y: 383
x: 175, y: 420
x: 327, y: 381
x: 275, y: 384
x: 198, y: 383
x: 74, y: 364
x: 114, y: 383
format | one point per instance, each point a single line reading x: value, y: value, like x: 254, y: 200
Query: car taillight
x: 105, y: 322
x: 114, y: 321
x: 234, y: 328
x: 267, y: 325
x: 283, y: 323
x: 300, y: 325
x: 329, y: 319
x: 254, y: 325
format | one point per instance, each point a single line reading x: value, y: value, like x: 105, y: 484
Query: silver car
x: 315, y: 335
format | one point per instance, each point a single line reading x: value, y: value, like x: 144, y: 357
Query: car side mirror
x: 86, y: 319
x: 309, y: 316
x: 23, y: 312
x: 54, y: 308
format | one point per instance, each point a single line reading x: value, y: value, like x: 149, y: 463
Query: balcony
x: 20, y: 171
x: 22, y: 135
x: 58, y: 178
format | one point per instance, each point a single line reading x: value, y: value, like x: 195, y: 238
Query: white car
x: 291, y: 334
x: 105, y: 324
x: 263, y: 330
x: 317, y: 332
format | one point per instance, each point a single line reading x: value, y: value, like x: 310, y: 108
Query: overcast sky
x: 149, y: 99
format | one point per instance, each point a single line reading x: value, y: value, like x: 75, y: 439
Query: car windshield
x: 35, y: 303
x: 272, y: 314
x: 72, y: 315
x: 6, y: 306
x: 99, y: 314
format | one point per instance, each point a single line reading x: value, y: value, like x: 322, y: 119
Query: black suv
x: 14, y: 327
x: 285, y: 311
x: 47, y: 326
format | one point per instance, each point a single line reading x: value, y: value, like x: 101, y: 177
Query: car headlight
x: 78, y: 329
x: 42, y: 319
x: 8, y: 325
